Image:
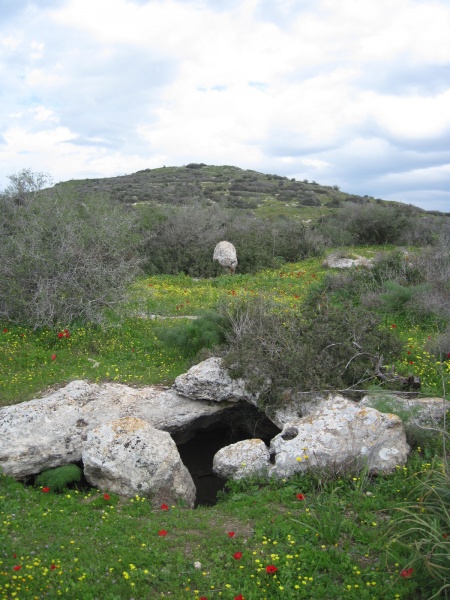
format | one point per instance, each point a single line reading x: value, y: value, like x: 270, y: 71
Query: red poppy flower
x: 411, y: 362
x: 409, y: 352
x: 67, y: 335
x: 240, y: 597
x: 271, y: 569
x: 52, y: 567
x: 53, y: 356
x: 203, y: 598
x: 231, y: 534
x: 164, y: 507
x: 15, y: 555
x: 5, y: 330
x: 300, y: 497
x: 66, y: 331
x: 17, y: 567
x: 162, y: 533
x: 45, y: 489
x: 393, y: 325
x: 406, y: 573
x: 237, y: 555
x: 448, y: 355
x: 106, y: 496
x: 60, y: 334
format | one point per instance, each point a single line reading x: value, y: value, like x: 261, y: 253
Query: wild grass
x: 314, y: 536
x: 272, y: 540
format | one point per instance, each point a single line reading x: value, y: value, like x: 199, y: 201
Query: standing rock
x: 340, y: 435
x: 248, y: 458
x: 128, y: 456
x: 225, y: 254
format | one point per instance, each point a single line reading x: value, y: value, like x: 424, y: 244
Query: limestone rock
x: 339, y: 435
x: 243, y: 459
x: 128, y: 456
x: 49, y: 432
x: 335, y: 262
x: 210, y: 381
x: 417, y: 411
x: 225, y: 254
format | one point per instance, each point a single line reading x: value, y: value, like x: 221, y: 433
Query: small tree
x: 61, y: 257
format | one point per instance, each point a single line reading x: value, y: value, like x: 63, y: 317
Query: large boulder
x: 248, y: 458
x: 210, y: 381
x: 49, y: 432
x: 128, y: 456
x: 340, y: 435
x: 225, y: 254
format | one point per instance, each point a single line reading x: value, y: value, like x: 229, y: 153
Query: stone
x: 210, y: 381
x: 49, y: 432
x: 336, y: 262
x: 340, y: 435
x: 225, y: 254
x: 415, y: 411
x: 130, y: 457
x: 248, y: 458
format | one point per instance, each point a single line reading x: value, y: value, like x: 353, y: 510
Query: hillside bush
x: 329, y: 348
x: 62, y: 257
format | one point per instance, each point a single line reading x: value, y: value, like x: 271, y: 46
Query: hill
x: 266, y: 195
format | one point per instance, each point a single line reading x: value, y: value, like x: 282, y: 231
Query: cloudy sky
x: 354, y: 93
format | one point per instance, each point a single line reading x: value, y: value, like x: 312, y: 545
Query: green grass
x: 332, y: 545
x: 82, y: 545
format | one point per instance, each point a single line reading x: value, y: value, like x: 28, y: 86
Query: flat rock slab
x: 417, y: 411
x: 49, y: 432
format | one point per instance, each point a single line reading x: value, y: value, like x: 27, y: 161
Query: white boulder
x: 128, y: 456
x: 210, y: 381
x: 340, y: 435
x: 225, y: 254
x: 243, y: 459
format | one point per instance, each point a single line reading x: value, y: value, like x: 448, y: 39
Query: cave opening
x: 198, y: 448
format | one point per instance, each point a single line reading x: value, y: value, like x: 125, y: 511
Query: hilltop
x: 266, y: 195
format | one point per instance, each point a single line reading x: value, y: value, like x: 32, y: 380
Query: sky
x: 354, y: 93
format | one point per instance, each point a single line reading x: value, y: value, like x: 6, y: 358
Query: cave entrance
x: 197, y: 453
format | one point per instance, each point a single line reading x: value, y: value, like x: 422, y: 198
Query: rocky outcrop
x: 248, y: 458
x: 340, y: 435
x: 415, y: 411
x: 49, y: 432
x: 211, y: 382
x: 225, y: 254
x: 128, y: 456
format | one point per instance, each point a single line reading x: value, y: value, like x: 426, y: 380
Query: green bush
x: 191, y: 336
x: 59, y: 477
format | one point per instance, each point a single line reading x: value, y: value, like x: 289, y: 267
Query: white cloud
x: 342, y: 92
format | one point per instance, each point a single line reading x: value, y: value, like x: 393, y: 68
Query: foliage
x: 192, y: 335
x: 398, y: 298
x: 61, y: 258
x: 422, y: 525
x: 58, y: 478
x: 226, y: 547
x: 331, y: 348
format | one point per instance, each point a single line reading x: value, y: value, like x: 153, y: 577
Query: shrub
x: 191, y: 336
x: 59, y: 477
x: 329, y: 348
x: 62, y: 257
